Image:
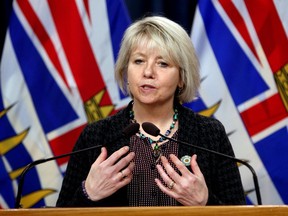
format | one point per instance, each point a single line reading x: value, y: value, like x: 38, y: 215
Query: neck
x: 162, y: 117
x: 159, y: 115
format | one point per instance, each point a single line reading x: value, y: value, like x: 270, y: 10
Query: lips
x: 147, y: 86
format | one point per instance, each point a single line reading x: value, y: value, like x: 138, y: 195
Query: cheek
x: 130, y: 79
x: 130, y: 72
x: 174, y: 81
x: 132, y: 76
x: 129, y: 75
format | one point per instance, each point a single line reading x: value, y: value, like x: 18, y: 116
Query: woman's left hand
x: 189, y: 188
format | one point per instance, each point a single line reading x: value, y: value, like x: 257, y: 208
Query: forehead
x: 150, y: 46
x: 146, y: 50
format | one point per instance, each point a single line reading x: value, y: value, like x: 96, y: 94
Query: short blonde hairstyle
x: 173, y: 41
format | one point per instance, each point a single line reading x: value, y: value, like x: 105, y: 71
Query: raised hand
x: 107, y: 175
x: 188, y: 188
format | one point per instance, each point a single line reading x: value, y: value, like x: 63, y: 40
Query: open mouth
x: 147, y: 87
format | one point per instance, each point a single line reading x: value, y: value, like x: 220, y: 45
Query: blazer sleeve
x: 71, y: 193
x: 226, y: 184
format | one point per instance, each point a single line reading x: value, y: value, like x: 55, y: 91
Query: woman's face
x: 152, y: 78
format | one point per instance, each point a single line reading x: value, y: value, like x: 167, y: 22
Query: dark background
x: 181, y: 11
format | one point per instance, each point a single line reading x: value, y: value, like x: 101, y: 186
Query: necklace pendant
x: 156, y: 151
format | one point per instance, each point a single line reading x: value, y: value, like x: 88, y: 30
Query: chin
x: 146, y: 100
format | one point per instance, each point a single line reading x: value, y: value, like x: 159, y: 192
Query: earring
x: 179, y: 90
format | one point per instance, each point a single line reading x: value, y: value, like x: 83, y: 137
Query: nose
x: 149, y: 71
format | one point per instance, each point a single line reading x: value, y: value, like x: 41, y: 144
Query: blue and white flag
x: 242, y: 47
x: 57, y: 74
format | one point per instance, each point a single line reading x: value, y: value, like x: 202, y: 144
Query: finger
x: 194, y: 166
x: 116, y: 156
x: 127, y: 171
x: 164, y: 175
x: 170, y: 170
x: 165, y: 189
x: 124, y: 181
x: 102, y: 157
x: 180, y: 166
x: 126, y: 176
x: 124, y: 162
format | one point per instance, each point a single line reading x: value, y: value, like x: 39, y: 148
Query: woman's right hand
x: 107, y: 175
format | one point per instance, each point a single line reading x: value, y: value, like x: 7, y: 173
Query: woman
x: 158, y: 68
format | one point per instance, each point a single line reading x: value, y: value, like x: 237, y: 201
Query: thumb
x: 102, y: 157
x: 194, y: 166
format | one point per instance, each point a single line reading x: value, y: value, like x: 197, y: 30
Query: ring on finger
x: 171, y: 185
x: 123, y: 175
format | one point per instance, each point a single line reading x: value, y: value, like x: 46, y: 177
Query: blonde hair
x: 173, y: 41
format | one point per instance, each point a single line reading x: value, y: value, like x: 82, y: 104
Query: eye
x: 138, y: 61
x: 163, y: 64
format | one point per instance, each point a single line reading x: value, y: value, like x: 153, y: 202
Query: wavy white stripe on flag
x: 281, y: 7
x: 44, y: 14
x: 71, y: 91
x: 15, y: 91
x: 50, y: 70
x: 103, y: 48
x: 224, y: 58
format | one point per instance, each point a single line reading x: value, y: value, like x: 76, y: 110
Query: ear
x: 180, y: 84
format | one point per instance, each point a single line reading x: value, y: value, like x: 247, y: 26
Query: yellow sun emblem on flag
x: 281, y: 79
x: 9, y: 144
x: 94, y: 110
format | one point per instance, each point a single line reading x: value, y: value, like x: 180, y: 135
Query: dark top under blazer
x: 221, y: 175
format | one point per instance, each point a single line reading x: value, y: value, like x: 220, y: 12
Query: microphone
x: 155, y: 131
x: 128, y: 131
